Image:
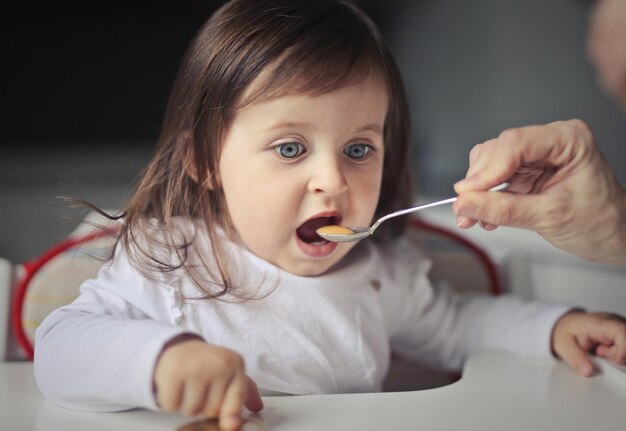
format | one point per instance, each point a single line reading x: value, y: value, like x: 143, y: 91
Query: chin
x: 309, y: 269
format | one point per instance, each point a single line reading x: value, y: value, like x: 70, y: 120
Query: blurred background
x: 84, y: 86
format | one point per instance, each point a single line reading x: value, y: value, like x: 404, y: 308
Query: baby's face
x: 295, y: 163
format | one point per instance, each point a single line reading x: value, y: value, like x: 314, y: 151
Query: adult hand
x: 561, y: 186
x: 577, y: 333
x: 194, y: 377
x: 606, y: 45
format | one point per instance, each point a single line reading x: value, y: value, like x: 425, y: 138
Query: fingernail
x: 230, y: 422
x: 462, y: 222
x: 468, y: 181
x: 584, y: 369
x: 462, y: 185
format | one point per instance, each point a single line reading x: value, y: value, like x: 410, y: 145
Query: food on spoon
x: 334, y: 229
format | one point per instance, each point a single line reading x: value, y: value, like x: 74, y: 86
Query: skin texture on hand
x: 194, y: 377
x: 561, y: 186
x: 606, y: 46
x: 577, y: 333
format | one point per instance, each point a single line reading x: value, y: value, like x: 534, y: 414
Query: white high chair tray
x: 497, y: 391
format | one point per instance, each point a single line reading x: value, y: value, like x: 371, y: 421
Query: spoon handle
x: 412, y: 209
x: 497, y: 188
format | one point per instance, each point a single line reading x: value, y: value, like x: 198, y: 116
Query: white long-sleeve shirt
x: 326, y: 334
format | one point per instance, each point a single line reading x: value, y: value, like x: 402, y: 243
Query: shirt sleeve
x: 99, y: 352
x: 440, y: 328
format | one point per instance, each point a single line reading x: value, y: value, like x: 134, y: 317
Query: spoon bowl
x: 355, y: 234
x: 336, y: 233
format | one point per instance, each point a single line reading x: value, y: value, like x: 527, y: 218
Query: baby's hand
x: 193, y: 377
x: 577, y: 333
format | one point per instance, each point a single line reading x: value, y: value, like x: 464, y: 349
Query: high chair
x: 35, y: 288
x: 6, y: 283
x: 531, y: 268
x: 31, y: 290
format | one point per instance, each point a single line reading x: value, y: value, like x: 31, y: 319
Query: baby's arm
x: 577, y: 333
x: 99, y: 356
x: 195, y: 377
x: 440, y: 328
x: 101, y: 352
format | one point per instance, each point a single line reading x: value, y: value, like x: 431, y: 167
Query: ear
x: 207, y: 183
x: 191, y: 168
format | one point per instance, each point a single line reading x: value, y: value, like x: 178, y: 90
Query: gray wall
x: 472, y: 69
x: 32, y: 217
x: 475, y: 68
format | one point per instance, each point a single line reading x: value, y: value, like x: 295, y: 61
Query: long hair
x: 301, y: 46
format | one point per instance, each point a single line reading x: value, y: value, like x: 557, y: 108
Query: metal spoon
x: 358, y: 233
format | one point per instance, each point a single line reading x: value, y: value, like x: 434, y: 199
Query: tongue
x: 307, y: 233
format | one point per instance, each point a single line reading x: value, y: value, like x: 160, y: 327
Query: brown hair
x: 302, y: 46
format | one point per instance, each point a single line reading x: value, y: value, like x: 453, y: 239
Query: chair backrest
x: 53, y: 279
x: 457, y: 260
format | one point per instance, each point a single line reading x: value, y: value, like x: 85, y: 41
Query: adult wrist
x: 613, y: 249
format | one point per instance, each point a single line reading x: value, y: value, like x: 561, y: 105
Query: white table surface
x: 497, y: 391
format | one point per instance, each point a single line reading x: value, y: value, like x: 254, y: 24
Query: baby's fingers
x: 194, y: 398
x: 613, y: 340
x: 253, y: 399
x: 610, y: 352
x: 234, y: 398
x: 169, y: 398
x: 576, y: 357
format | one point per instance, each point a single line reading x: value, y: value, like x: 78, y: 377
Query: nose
x: 328, y: 177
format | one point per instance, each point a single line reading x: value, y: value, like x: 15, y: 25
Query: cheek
x: 366, y: 188
x: 239, y: 196
x: 260, y: 204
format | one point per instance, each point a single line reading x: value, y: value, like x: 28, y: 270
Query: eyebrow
x: 371, y: 127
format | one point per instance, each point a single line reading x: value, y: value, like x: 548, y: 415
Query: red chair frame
x: 31, y: 268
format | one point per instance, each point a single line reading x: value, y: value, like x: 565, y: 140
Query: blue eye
x: 289, y: 150
x: 356, y: 151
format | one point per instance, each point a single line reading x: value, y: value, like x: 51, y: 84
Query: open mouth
x: 306, y: 232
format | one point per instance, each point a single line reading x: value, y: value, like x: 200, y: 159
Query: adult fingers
x: 473, y: 155
x: 487, y: 226
x: 502, y: 209
x: 490, y: 165
x: 551, y: 145
x: 465, y: 222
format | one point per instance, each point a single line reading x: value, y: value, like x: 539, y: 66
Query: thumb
x: 575, y: 357
x: 502, y: 208
x: 254, y: 402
